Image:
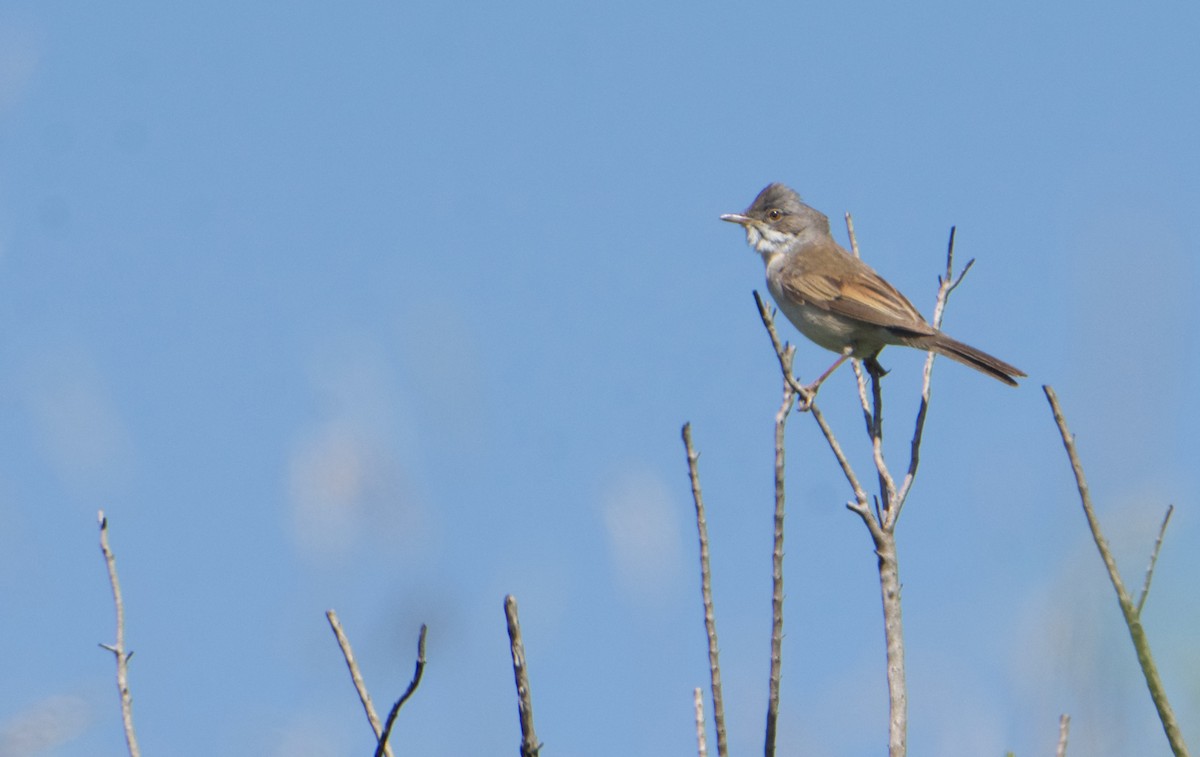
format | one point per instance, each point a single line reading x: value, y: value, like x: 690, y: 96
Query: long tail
x: 977, y: 359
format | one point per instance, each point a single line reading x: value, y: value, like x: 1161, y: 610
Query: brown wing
x: 828, y: 277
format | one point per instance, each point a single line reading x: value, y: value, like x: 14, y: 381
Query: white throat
x: 766, y: 241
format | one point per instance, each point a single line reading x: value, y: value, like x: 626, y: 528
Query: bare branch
x: 963, y: 274
x: 882, y: 524
x: 529, y: 743
x: 785, y: 409
x: 698, y: 706
x: 860, y: 504
x: 1138, y: 634
x: 1064, y: 727
x: 873, y: 416
x: 783, y: 352
x: 412, y: 686
x: 1086, y: 497
x: 1162, y: 531
x: 710, y: 622
x: 118, y: 648
x: 947, y: 283
x: 357, y: 679
x: 850, y: 231
x: 893, y: 631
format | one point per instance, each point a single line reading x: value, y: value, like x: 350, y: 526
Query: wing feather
x: 858, y: 292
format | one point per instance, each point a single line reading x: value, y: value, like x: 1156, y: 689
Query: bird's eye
x: 774, y: 214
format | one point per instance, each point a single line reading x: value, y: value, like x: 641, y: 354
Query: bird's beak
x: 736, y: 218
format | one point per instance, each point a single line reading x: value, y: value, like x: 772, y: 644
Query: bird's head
x: 776, y: 218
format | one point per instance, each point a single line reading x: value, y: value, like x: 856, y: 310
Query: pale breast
x: 830, y: 330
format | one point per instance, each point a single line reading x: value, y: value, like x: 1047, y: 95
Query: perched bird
x: 835, y: 299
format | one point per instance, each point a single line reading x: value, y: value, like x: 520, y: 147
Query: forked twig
x: 710, y: 622
x: 356, y: 677
x: 412, y: 686
x: 947, y: 283
x: 698, y: 708
x: 861, y: 501
x: 783, y: 352
x: 118, y: 648
x: 1141, y: 643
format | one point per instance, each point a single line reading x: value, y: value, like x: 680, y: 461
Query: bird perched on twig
x: 835, y: 299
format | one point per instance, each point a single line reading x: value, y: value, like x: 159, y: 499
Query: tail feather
x: 968, y: 355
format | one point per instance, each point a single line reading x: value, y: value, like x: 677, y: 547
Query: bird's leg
x: 811, y: 389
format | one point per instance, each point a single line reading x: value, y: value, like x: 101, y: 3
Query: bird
x: 834, y: 298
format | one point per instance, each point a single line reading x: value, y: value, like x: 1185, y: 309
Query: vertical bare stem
x: 118, y: 649
x: 785, y: 409
x: 1064, y: 728
x: 382, y: 746
x: 893, y: 630
x: 1138, y: 634
x: 698, y: 706
x: 873, y: 415
x: 710, y: 622
x: 529, y: 742
x: 356, y: 677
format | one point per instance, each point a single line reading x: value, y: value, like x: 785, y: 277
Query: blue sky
x: 396, y: 310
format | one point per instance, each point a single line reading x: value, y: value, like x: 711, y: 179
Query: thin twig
x: 785, y: 409
x: 872, y: 410
x: 783, y: 352
x: 529, y: 743
x: 1138, y: 634
x: 118, y: 649
x: 946, y: 284
x: 1064, y: 728
x: 860, y: 504
x: 356, y: 678
x: 698, y: 707
x: 860, y: 381
x: 887, y: 485
x: 1154, y: 560
x: 412, y: 686
x: 710, y: 622
x: 949, y: 282
x: 914, y: 448
x: 873, y: 415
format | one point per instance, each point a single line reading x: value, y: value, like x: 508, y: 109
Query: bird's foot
x: 874, y: 368
x: 807, y: 395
